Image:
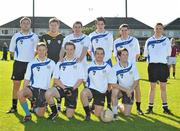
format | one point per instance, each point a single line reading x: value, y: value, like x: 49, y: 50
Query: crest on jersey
x: 131, y: 72
x: 48, y: 67
x: 32, y: 40
x: 48, y: 41
x: 153, y: 45
x: 21, y: 41
x: 94, y: 72
x: 106, y: 38
x: 104, y: 71
x: 63, y: 68
x: 130, y: 45
x: 75, y: 67
x: 121, y: 75
x: 82, y: 43
x: 59, y: 42
x: 38, y: 68
x: 163, y: 43
x: 96, y: 40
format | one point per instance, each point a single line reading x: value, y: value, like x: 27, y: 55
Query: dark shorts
x: 158, y: 72
x: 38, y: 96
x: 70, y: 101
x: 98, y: 97
x: 127, y: 100
x: 19, y: 69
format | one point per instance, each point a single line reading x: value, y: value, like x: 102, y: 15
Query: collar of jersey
x: 40, y: 60
x: 158, y: 38
x: 49, y: 33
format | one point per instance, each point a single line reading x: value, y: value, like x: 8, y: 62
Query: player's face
x: 77, y: 28
x: 99, y: 56
x: 158, y: 30
x: 42, y: 51
x: 25, y: 25
x: 100, y: 25
x: 124, y: 56
x: 69, y: 50
x: 54, y: 27
x: 124, y: 32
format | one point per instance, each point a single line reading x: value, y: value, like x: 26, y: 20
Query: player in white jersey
x: 102, y: 38
x: 98, y: 74
x: 22, y: 47
x: 127, y: 79
x: 81, y: 42
x: 36, y: 82
x: 68, y: 76
x: 132, y: 45
x: 157, y: 49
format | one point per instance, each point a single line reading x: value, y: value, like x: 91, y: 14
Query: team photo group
x: 52, y: 67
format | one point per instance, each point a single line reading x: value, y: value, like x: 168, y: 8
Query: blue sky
x: 147, y: 11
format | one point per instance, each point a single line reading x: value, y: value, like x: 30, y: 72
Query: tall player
x: 22, y: 47
x: 102, y: 38
x: 132, y: 45
x: 157, y: 49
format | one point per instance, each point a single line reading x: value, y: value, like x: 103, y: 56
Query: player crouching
x: 99, y: 75
x: 127, y: 79
x: 68, y: 76
x: 37, y: 81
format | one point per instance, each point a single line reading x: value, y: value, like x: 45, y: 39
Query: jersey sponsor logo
x: 32, y: 40
x: 38, y: 68
x: 21, y: 41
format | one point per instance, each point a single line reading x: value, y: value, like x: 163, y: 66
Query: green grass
x: 156, y: 122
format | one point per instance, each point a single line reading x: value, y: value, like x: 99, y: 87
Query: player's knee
x: 83, y: 94
x: 20, y: 94
x: 48, y: 94
x: 40, y: 114
x: 69, y: 114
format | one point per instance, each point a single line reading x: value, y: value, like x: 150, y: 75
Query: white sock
x: 115, y: 109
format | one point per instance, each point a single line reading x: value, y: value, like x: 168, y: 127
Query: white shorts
x: 171, y: 60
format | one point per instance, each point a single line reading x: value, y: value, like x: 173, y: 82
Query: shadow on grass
x: 132, y: 123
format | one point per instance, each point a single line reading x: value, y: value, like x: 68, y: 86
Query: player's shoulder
x: 115, y: 67
x: 92, y: 34
x: 117, y: 40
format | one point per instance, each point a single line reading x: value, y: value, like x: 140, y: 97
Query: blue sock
x: 25, y: 108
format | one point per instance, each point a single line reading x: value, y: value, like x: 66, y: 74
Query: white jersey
x: 103, y: 40
x: 69, y: 72
x: 131, y: 44
x: 157, y: 50
x: 39, y: 73
x: 98, y: 76
x: 24, y: 46
x: 80, y: 42
x: 126, y: 76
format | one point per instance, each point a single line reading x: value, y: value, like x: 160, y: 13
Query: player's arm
x: 59, y: 83
x: 61, y: 54
x: 12, y: 46
x: 26, y: 83
x: 83, y: 54
x: 77, y: 84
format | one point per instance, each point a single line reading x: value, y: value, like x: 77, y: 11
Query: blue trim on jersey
x: 67, y: 64
x: 94, y: 68
x: 78, y: 40
x: 21, y: 38
x: 155, y: 42
x: 99, y: 36
x: 122, y: 71
x: 109, y: 62
x: 35, y: 65
x: 123, y: 43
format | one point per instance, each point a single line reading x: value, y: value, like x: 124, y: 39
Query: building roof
x: 174, y: 25
x: 115, y: 22
x: 39, y: 22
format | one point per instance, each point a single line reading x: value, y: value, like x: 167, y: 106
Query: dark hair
x: 100, y: 19
x: 41, y: 44
x: 78, y: 23
x: 69, y: 43
x: 124, y: 26
x: 25, y: 18
x: 99, y: 48
x: 52, y: 20
x: 160, y: 24
x: 121, y: 50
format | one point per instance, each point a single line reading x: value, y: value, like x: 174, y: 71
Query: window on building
x: 4, y: 31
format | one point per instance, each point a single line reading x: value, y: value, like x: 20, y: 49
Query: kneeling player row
x: 68, y: 75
